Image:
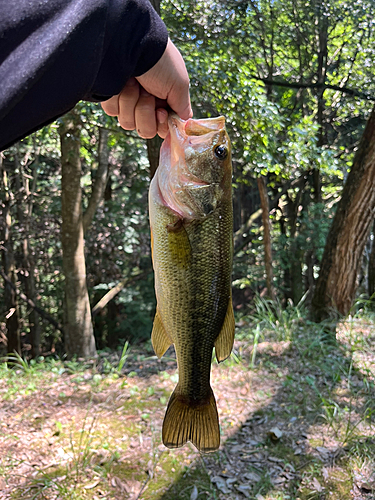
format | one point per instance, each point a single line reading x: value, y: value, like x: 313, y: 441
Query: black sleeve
x: 54, y: 53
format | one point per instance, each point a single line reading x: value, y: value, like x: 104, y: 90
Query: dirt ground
x: 296, y: 417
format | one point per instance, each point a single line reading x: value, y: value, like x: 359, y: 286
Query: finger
x: 111, y: 106
x: 162, y: 122
x: 128, y: 99
x: 145, y: 118
x: 169, y: 79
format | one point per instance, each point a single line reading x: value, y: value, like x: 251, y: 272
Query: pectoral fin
x: 224, y: 342
x: 159, y: 337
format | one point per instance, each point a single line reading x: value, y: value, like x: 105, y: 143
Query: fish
x: 191, y: 219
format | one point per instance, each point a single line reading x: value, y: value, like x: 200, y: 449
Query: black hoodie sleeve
x: 54, y: 53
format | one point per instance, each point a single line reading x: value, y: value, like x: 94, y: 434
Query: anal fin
x: 159, y: 337
x: 224, y: 342
x: 198, y: 424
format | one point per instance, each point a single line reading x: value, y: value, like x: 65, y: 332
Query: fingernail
x: 161, y: 116
x: 144, y: 93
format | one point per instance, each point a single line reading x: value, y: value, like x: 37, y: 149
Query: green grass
x: 107, y: 441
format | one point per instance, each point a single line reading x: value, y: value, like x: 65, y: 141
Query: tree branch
x: 320, y: 85
x: 239, y: 241
x: 114, y: 291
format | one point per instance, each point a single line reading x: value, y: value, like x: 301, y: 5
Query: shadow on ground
x: 311, y: 441
x: 298, y: 425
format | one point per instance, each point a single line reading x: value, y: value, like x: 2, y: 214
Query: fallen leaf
x: 322, y: 450
x: 237, y: 448
x: 325, y: 473
x: 122, y: 486
x: 194, y: 493
x: 252, y: 477
x: 317, y: 486
x: 278, y: 480
x: 91, y: 485
x: 230, y: 481
x: 150, y: 469
x: 244, y: 489
x: 275, y: 434
x: 221, y: 484
x: 275, y: 459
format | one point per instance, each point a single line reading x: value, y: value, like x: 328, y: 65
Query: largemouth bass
x: 190, y: 205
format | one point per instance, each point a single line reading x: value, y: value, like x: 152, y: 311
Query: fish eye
x: 221, y: 152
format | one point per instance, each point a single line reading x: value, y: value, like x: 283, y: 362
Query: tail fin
x: 198, y: 424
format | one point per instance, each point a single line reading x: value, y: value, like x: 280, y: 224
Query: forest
x: 295, y: 81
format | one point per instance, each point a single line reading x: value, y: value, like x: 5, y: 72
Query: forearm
x: 55, y: 53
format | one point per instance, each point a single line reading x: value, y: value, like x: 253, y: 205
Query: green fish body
x: 191, y: 218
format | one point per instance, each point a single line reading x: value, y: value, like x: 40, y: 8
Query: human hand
x: 142, y: 103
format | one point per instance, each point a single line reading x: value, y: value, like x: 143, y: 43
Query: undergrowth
x: 317, y: 398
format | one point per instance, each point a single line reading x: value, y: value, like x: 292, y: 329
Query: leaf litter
x: 296, y: 425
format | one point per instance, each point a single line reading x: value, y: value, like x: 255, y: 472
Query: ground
x: 295, y: 412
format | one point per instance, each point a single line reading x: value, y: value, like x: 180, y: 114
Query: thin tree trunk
x: 10, y: 297
x: 243, y: 236
x: 41, y: 312
x: 79, y: 336
x: 153, y: 145
x: 153, y: 150
x: 31, y: 292
x: 24, y: 209
x: 337, y: 283
x: 156, y: 5
x: 322, y: 41
x: 100, y: 182
x: 371, y: 268
x: 266, y: 236
x: 100, y: 305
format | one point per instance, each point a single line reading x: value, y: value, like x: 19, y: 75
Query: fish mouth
x: 182, y: 188
x: 192, y: 127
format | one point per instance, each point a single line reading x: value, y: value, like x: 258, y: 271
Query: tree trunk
x: 31, y: 292
x: 79, y: 336
x: 371, y: 268
x: 296, y: 253
x: 153, y: 145
x: 322, y: 36
x: 27, y: 273
x: 10, y: 296
x: 100, y: 182
x: 266, y: 236
x: 156, y: 5
x: 153, y: 150
x: 337, y: 283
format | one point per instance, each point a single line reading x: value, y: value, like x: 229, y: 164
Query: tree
x: 78, y: 329
x: 262, y: 186
x: 10, y: 297
x: 337, y: 283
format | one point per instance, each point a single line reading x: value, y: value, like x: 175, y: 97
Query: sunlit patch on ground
x: 296, y: 416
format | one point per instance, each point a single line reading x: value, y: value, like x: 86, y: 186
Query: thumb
x: 179, y: 100
x: 169, y: 80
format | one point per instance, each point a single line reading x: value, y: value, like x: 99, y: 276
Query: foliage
x: 295, y: 82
